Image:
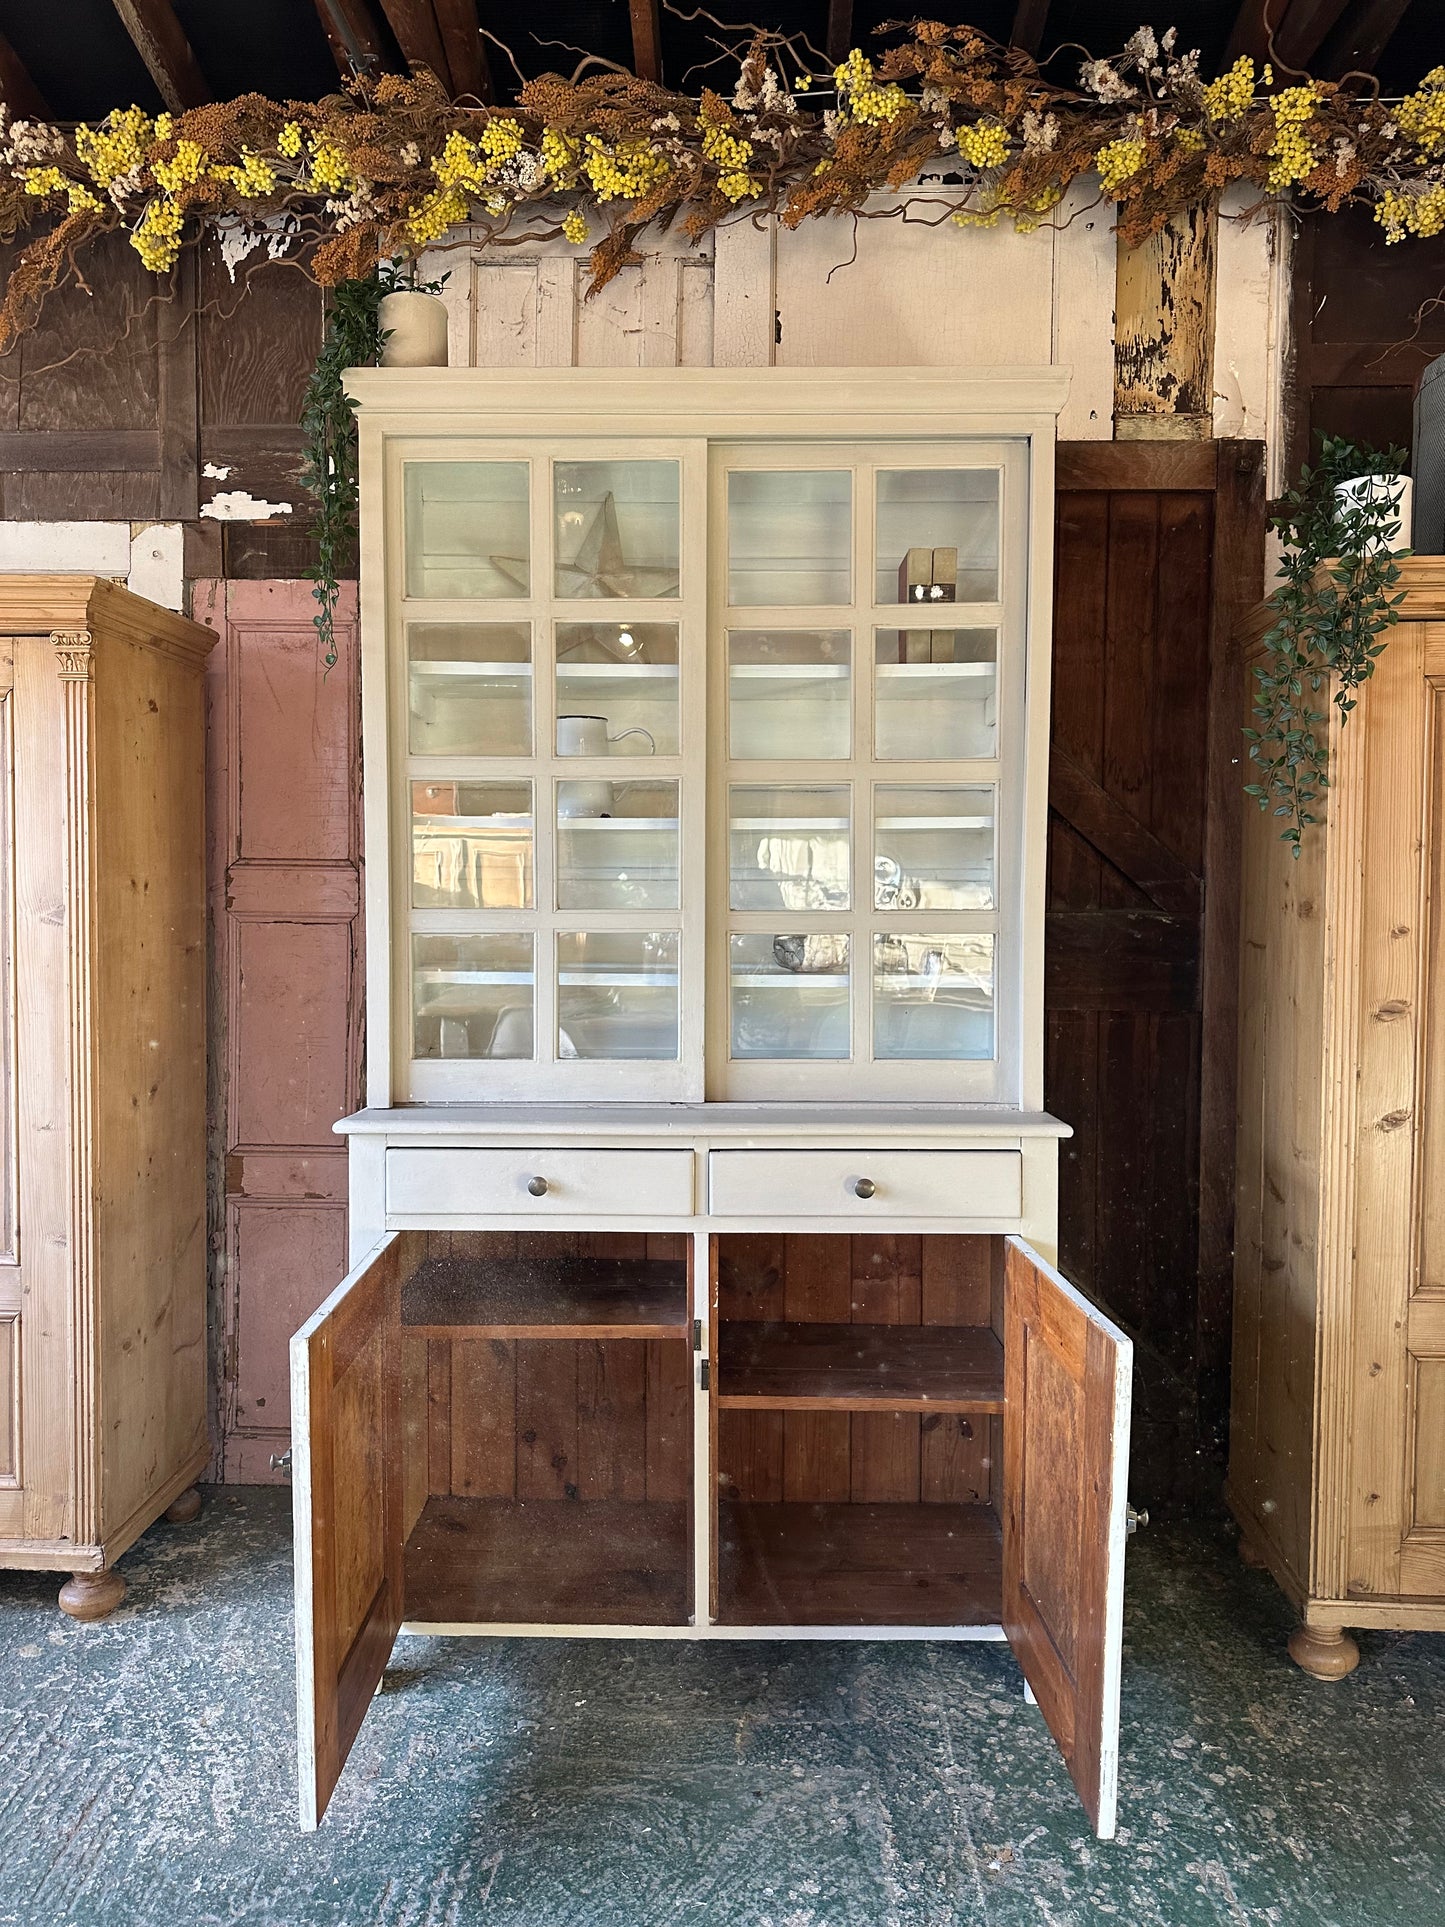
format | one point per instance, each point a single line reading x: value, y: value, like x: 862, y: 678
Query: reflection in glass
x: 617, y: 993
x: 933, y: 995
x: 470, y: 688
x: 621, y: 678
x: 472, y: 995
x: 616, y: 528
x: 471, y: 846
x: 790, y: 537
x: 937, y: 529
x: 789, y: 995
x: 467, y: 529
x: 939, y: 709
x: 789, y: 694
x: 625, y: 859
x: 789, y: 849
x: 933, y: 848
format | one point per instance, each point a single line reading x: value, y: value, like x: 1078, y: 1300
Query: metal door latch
x: 1135, y: 1517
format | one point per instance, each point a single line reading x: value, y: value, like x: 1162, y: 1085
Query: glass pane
x: 472, y: 995
x: 616, y: 528
x: 933, y: 996
x: 933, y: 849
x: 789, y: 694
x: 789, y: 995
x: 467, y: 531
x: 617, y: 689
x: 617, y: 993
x: 789, y: 849
x: 790, y: 536
x: 937, y: 535
x: 622, y: 859
x: 471, y: 846
x: 470, y: 688
x: 939, y: 706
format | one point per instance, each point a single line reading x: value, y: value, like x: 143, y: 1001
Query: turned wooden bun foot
x: 185, y: 1506
x: 92, y: 1595
x: 1323, y: 1654
x: 1250, y: 1554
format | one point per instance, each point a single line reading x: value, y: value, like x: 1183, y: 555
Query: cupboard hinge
x: 697, y: 1334
x: 704, y: 1376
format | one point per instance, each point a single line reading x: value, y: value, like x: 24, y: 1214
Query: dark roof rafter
x: 1359, y: 41
x: 462, y: 43
x: 646, y: 40
x: 161, y: 42
x: 417, y: 34
x: 1287, y: 32
x: 351, y: 29
x: 840, y: 28
x: 1030, y: 19
x: 17, y: 89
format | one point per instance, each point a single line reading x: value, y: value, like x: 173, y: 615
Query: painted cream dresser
x: 102, y: 1076
x: 1337, y: 1443
x: 702, y: 1211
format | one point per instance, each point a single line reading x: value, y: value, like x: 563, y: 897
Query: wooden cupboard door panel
x: 347, y: 1460
x: 9, y: 1398
x: 1066, y: 1454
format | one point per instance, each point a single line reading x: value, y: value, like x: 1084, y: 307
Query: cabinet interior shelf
x: 785, y: 979
x: 859, y: 1368
x: 617, y: 823
x: 945, y: 671
x: 615, y: 671
x: 547, y: 1298
x: 779, y: 823
x: 793, y: 1564
x: 472, y: 671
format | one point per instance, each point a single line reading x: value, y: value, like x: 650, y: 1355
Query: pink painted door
x: 286, y: 988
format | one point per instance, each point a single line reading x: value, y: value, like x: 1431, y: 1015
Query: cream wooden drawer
x: 538, y: 1183
x: 836, y: 1184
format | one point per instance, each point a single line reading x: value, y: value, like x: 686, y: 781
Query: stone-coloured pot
x: 417, y: 325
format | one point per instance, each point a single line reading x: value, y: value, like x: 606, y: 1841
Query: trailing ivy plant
x: 1330, y: 609
x: 354, y: 338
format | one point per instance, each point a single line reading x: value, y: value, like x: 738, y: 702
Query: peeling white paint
x: 157, y: 563
x: 235, y: 505
x: 216, y: 471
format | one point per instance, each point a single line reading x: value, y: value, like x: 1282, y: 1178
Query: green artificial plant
x: 1330, y: 609
x: 354, y: 338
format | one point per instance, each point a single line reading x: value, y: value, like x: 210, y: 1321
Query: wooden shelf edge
x: 583, y: 1329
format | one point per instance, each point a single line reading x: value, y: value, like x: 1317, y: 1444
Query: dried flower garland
x: 390, y: 165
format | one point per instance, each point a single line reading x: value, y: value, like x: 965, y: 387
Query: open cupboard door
x: 1066, y: 1460
x: 346, y: 1468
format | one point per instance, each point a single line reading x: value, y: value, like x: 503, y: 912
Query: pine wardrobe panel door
x: 347, y: 1452
x: 1065, y: 1520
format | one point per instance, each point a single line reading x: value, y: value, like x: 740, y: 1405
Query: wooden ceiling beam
x: 353, y: 35
x: 17, y: 89
x: 1030, y: 19
x: 161, y: 42
x: 1288, y: 32
x: 646, y: 39
x: 1359, y: 41
x: 418, y: 36
x: 462, y: 42
x: 840, y: 28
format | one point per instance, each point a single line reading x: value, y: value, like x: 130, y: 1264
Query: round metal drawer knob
x: 864, y: 1188
x: 537, y: 1187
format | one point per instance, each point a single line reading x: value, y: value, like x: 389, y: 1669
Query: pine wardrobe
x: 102, y: 1076
x: 1337, y: 1442
x: 704, y: 1205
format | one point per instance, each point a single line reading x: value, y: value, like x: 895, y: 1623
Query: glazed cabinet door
x: 1066, y: 1456
x: 346, y: 1405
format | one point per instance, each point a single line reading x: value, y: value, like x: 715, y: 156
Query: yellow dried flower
x: 1229, y: 97
x: 115, y: 147
x: 157, y: 236
x: 1191, y: 139
x: 184, y: 170
x: 329, y: 169
x: 1421, y: 213
x: 574, y: 227
x: 1421, y: 115
x: 985, y: 145
x: 558, y: 155
x: 1119, y: 161
x: 623, y: 170
x: 860, y: 92
x: 1292, y: 156
x: 44, y: 180
x: 441, y: 209
x: 255, y: 176
x: 288, y: 141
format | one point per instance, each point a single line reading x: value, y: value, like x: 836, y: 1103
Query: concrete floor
x: 148, y: 1770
